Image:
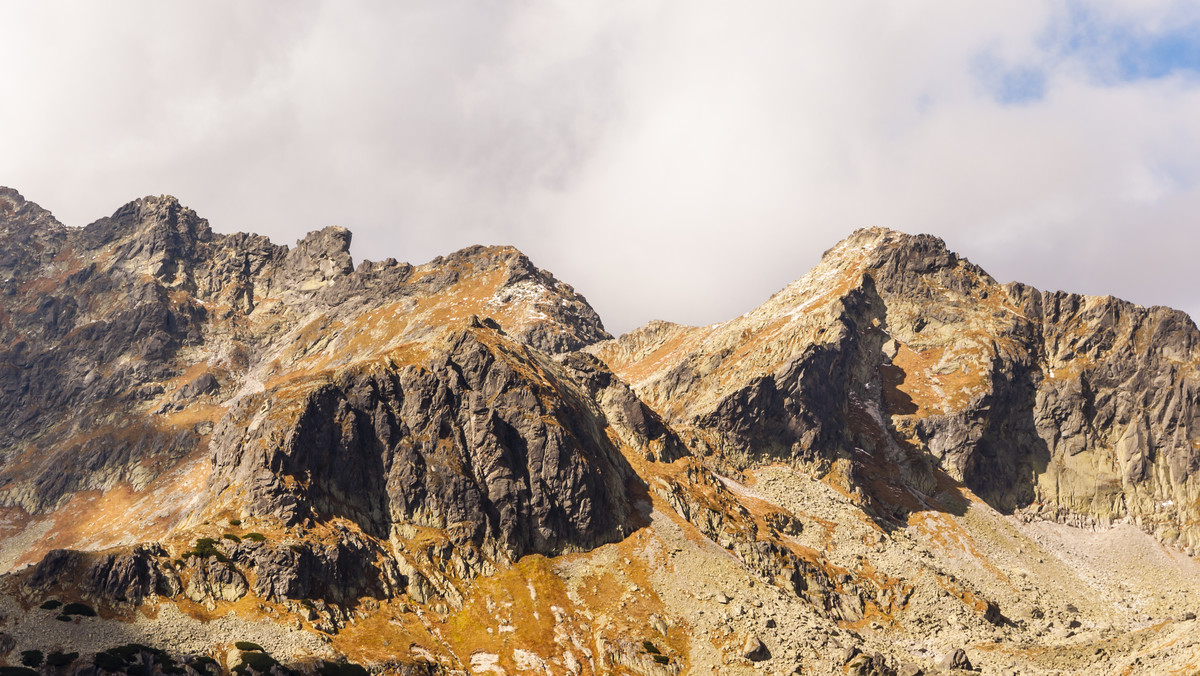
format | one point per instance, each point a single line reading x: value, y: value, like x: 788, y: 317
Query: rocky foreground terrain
x: 219, y: 454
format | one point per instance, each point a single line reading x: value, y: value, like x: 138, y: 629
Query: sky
x: 676, y: 160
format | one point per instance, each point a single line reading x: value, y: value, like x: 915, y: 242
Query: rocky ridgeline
x: 399, y: 431
x: 154, y: 332
x: 1077, y: 408
x: 104, y: 322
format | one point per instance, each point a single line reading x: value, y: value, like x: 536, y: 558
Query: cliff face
x: 128, y: 342
x: 1070, y: 406
x: 491, y: 443
x: 452, y: 466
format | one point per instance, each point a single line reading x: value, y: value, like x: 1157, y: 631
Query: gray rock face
x: 341, y: 572
x: 102, y: 321
x: 638, y: 424
x: 211, y: 580
x: 127, y: 576
x: 322, y: 256
x: 1086, y: 405
x: 132, y: 576
x: 29, y: 237
x: 896, y: 359
x: 171, y: 345
x: 475, y: 445
x: 799, y: 410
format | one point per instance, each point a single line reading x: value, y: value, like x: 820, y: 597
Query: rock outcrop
x: 490, y: 443
x: 456, y: 456
x: 314, y: 390
x: 902, y: 360
x: 122, y: 577
x: 142, y: 325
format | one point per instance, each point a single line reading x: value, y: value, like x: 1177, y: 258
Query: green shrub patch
x: 205, y: 548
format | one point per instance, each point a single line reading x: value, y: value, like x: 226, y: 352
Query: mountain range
x: 219, y: 454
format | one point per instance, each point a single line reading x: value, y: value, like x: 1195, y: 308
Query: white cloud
x: 670, y: 159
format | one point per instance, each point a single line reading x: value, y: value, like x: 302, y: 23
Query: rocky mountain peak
x: 451, y: 467
x: 1025, y: 396
x: 157, y: 236
x: 153, y: 223
x: 320, y: 257
x: 904, y: 264
x: 29, y: 235
x: 18, y: 213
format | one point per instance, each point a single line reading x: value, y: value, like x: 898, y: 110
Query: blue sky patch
x: 1115, y: 52
x: 1160, y: 56
x: 1110, y: 52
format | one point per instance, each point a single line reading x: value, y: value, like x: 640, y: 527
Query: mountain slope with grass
x: 222, y: 454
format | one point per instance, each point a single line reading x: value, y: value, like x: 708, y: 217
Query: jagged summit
x: 97, y: 319
x: 892, y: 465
x: 1024, y: 395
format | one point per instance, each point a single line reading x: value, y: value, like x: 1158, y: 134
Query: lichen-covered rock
x: 339, y: 572
x: 123, y: 576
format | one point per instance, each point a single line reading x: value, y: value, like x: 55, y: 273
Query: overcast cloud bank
x: 680, y: 160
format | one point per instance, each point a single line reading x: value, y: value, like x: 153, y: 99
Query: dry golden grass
x: 120, y: 512
x: 386, y: 635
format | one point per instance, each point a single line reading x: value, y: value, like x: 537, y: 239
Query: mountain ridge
x: 892, y: 439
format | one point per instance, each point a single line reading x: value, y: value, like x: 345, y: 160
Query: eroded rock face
x: 313, y: 389
x: 124, y: 576
x: 339, y: 572
x: 398, y: 431
x: 144, y: 323
x: 901, y: 359
x: 490, y: 443
x: 210, y: 580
